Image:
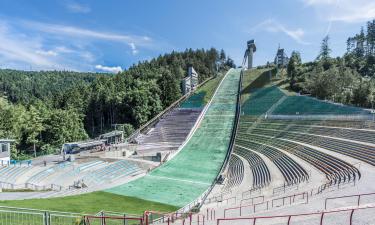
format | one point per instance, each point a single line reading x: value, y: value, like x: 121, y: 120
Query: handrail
x: 347, y: 196
x: 295, y: 215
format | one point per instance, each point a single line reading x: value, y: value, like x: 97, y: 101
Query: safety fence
x: 189, y: 218
x: 357, y: 196
x: 113, y: 220
x: 26, y: 216
x: 267, y: 205
x: 312, y: 218
x: 30, y: 186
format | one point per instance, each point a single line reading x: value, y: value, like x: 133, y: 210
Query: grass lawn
x: 254, y: 78
x: 209, y: 88
x: 92, y: 203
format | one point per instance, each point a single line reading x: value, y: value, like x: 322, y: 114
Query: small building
x: 190, y: 83
x: 281, y: 59
x: 113, y: 137
x: 76, y: 147
x: 5, y: 151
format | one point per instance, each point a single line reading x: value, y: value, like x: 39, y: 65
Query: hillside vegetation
x: 349, y: 79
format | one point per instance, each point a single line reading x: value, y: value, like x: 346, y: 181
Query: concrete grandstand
x: 253, y: 155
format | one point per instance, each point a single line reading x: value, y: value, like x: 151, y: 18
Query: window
x: 4, y: 147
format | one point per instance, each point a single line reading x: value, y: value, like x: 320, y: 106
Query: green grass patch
x: 254, y: 78
x: 92, y: 203
x: 209, y: 88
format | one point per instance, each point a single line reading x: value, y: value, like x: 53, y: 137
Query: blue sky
x: 111, y: 35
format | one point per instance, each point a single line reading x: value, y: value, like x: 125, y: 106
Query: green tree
x: 34, y: 127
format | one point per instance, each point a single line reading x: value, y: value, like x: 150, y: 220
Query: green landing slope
x: 186, y: 176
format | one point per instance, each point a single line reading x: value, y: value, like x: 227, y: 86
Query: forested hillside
x: 349, y: 79
x: 42, y: 110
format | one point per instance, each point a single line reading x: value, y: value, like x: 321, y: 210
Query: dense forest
x: 349, y: 79
x: 42, y: 110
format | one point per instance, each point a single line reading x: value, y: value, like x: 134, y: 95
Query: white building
x: 5, y: 151
x: 190, y: 82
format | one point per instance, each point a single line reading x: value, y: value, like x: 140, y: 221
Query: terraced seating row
x: 9, y: 174
x: 305, y: 105
x: 173, y: 127
x: 235, y: 172
x: 259, y: 169
x: 359, y: 151
x: 367, y: 136
x: 336, y: 170
x: 111, y: 172
x: 261, y: 100
x: 42, y: 175
x: 291, y: 170
x: 354, y: 124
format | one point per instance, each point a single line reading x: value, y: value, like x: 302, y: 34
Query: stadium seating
x: 235, y: 172
x: 336, y: 170
x: 110, y: 173
x: 261, y: 174
x: 291, y: 170
x: 172, y: 128
x: 10, y: 174
x: 44, y: 174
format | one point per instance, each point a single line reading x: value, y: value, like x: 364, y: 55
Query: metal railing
x: 347, y: 196
x: 289, y: 217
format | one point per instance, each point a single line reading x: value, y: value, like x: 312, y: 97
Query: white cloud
x: 134, y: 48
x: 15, y: 48
x: 46, y: 53
x: 344, y: 10
x: 77, y: 8
x: 114, y: 69
x: 273, y: 26
x: 87, y: 33
x: 44, y: 46
x: 20, y: 50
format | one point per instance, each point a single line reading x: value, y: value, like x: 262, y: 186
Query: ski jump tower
x: 251, y: 48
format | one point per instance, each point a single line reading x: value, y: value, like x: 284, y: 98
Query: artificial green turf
x: 92, y: 203
x: 186, y: 176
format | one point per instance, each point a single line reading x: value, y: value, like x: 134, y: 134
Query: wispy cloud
x: 79, y: 32
x: 46, y: 53
x: 273, y: 26
x: 42, y: 46
x: 348, y: 11
x: 15, y: 48
x: 114, y: 69
x: 75, y: 7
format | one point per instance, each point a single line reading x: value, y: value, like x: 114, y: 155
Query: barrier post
x: 321, y: 219
x: 351, y: 217
x: 289, y: 218
x: 359, y: 199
